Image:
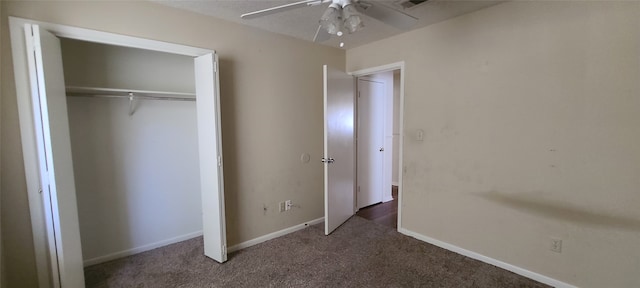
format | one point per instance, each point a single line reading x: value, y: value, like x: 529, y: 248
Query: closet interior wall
x: 137, y: 176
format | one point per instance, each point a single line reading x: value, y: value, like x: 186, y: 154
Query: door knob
x: 381, y: 149
x: 330, y: 160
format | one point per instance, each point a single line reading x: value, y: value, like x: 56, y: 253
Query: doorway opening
x: 340, y: 138
x: 378, y: 145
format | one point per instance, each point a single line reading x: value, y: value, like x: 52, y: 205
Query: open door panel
x: 54, y: 148
x: 339, y: 147
x: 210, y: 149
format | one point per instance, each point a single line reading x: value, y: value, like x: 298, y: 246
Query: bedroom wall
x: 17, y: 242
x: 530, y: 112
x: 271, y: 98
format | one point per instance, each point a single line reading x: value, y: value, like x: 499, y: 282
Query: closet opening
x: 118, y: 157
x: 134, y: 143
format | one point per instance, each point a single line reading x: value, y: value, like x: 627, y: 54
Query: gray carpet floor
x: 360, y: 253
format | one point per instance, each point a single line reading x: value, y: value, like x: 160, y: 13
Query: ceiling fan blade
x: 321, y: 35
x: 387, y: 15
x: 277, y: 9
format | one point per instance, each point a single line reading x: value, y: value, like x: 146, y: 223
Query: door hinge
x: 48, y: 191
x: 215, y: 66
x: 224, y: 249
x: 219, y: 161
x: 358, y: 94
x: 31, y: 40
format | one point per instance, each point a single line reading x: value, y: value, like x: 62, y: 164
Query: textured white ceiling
x: 303, y: 22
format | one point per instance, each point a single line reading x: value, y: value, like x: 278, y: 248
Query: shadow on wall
x: 231, y: 171
x: 545, y: 208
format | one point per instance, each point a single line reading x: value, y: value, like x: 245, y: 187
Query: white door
x: 54, y: 149
x: 339, y: 148
x: 210, y: 149
x: 371, y: 120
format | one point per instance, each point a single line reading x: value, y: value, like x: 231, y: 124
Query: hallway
x: 383, y: 213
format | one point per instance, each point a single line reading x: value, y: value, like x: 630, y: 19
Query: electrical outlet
x: 420, y: 135
x: 287, y: 205
x: 556, y: 245
x: 282, y: 207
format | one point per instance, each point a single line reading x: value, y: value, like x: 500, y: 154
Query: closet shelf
x: 77, y: 91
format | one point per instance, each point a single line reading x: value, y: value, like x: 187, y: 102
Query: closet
x: 119, y: 149
x: 134, y: 141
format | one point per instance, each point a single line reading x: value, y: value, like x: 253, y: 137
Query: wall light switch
x: 287, y: 205
x: 556, y: 245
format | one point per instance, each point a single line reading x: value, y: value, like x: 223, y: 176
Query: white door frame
x: 26, y: 117
x: 384, y: 68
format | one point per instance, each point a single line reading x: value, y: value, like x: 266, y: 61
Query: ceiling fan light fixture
x: 352, y: 19
x: 331, y: 19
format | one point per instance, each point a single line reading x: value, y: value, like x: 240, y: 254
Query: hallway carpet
x: 360, y: 253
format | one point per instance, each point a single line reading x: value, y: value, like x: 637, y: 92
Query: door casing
x: 380, y: 69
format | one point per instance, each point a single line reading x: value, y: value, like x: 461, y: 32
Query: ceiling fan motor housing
x: 340, y: 15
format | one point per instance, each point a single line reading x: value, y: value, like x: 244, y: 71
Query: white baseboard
x: 274, y: 235
x: 515, y: 269
x: 387, y: 198
x: 394, y: 183
x: 140, y: 249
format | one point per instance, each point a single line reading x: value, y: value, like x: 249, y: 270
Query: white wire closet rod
x: 76, y: 91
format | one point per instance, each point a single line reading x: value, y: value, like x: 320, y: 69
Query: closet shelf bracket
x: 130, y: 103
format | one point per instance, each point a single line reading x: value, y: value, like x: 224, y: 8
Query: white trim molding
x: 83, y: 34
x: 273, y: 235
x: 378, y: 69
x: 140, y: 249
x: 506, y: 266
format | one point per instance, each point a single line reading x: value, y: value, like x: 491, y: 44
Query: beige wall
x: 271, y: 94
x: 17, y: 242
x: 530, y: 112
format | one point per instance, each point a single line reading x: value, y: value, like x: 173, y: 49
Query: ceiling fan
x: 343, y: 16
